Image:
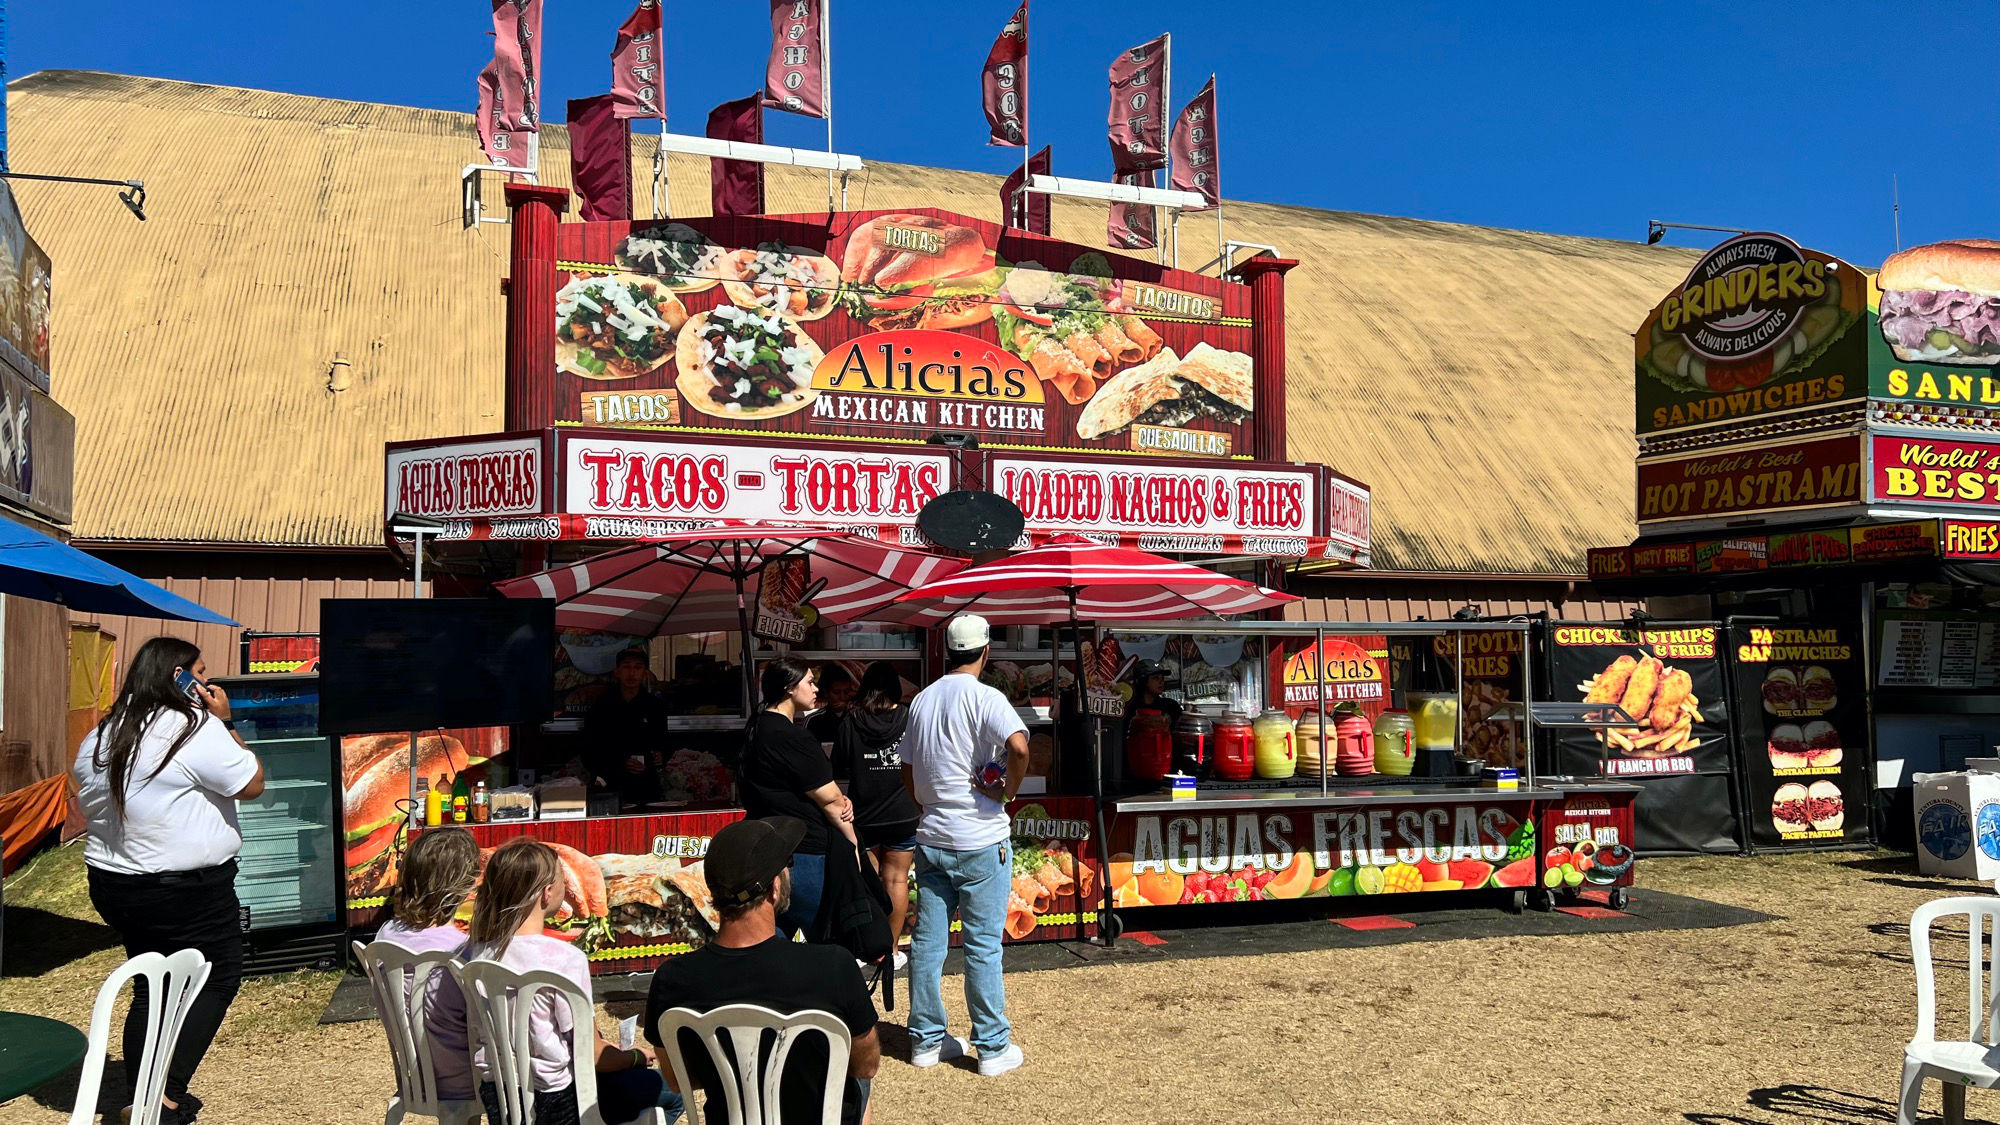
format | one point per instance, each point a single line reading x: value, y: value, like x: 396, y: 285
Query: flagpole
x: 1215, y: 135
x: 1020, y: 201
x: 1167, y: 137
x: 826, y: 89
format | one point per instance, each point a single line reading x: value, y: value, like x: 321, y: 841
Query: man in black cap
x: 748, y: 869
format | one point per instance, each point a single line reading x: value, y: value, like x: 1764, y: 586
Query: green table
x: 33, y: 1050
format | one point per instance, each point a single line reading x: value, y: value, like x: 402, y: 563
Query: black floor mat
x: 1248, y: 929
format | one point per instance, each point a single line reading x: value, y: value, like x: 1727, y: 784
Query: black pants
x: 165, y: 914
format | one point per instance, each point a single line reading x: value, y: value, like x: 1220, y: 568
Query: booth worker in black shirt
x: 624, y: 734
x: 748, y: 870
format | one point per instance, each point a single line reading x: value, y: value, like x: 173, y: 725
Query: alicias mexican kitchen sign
x: 896, y: 325
x: 1761, y: 326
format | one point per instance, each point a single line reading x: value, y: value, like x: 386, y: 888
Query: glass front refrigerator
x: 288, y: 875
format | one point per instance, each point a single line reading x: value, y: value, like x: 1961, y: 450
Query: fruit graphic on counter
x: 1571, y: 876
x: 1470, y: 873
x: 1552, y: 878
x: 1431, y: 871
x: 1443, y: 885
x: 1159, y: 888
x: 1368, y: 879
x: 1520, y: 873
x: 1323, y: 882
x: 1402, y: 878
x: 1340, y: 883
x: 1295, y: 880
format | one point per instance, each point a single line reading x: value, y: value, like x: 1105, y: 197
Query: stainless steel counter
x: 1348, y: 798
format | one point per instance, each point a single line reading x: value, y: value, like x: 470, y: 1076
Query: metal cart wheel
x: 1517, y: 902
x: 1620, y: 898
x: 1114, y: 928
x: 1542, y: 900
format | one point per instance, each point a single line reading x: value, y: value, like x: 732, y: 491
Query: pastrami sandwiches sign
x: 896, y: 325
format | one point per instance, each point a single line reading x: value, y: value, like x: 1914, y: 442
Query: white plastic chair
x: 172, y: 983
x: 500, y: 1000
x: 751, y: 1100
x: 399, y: 977
x: 1974, y: 1060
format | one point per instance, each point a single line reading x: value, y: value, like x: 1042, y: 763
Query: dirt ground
x: 1800, y: 1019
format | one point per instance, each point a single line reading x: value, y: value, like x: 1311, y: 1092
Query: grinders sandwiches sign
x: 1761, y: 326
x: 895, y: 325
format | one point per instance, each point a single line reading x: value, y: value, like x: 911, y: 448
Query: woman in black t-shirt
x: 785, y: 773
x: 865, y: 756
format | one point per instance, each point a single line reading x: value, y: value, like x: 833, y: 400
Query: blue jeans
x: 808, y: 884
x: 977, y: 885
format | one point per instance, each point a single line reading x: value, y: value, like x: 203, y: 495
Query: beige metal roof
x: 1478, y: 379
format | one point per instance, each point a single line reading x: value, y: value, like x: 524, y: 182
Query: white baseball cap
x: 967, y: 632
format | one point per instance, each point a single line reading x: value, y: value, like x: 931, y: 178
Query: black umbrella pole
x: 749, y: 650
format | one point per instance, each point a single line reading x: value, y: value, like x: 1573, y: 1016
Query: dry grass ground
x: 1797, y: 1020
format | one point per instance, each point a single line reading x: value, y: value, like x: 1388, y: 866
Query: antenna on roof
x: 1896, y: 209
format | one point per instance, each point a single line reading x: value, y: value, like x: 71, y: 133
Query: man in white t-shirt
x: 960, y: 728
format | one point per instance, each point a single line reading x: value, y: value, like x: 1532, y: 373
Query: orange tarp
x: 28, y: 815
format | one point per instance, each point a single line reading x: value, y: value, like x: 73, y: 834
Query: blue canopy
x: 32, y: 565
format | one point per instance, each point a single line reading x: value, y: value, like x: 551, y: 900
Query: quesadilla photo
x: 654, y: 897
x: 1172, y: 390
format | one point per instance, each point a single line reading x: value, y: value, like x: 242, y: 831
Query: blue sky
x: 1584, y: 118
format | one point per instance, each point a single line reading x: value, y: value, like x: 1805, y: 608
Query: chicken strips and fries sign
x: 896, y: 325
x: 1666, y: 678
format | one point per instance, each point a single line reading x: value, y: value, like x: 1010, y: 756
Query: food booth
x: 841, y: 371
x: 1817, y: 483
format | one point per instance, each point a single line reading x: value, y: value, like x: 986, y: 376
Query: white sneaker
x: 949, y: 1048
x: 902, y: 959
x: 1001, y: 1063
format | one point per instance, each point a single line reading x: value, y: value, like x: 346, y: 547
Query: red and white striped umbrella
x: 1074, y: 578
x: 706, y: 580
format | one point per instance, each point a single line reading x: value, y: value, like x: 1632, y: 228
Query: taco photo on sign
x: 619, y: 326
x: 790, y: 280
x: 736, y: 363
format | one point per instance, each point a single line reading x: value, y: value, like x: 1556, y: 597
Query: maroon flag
x: 1004, y: 84
x: 1195, y: 166
x: 1036, y: 217
x: 1137, y: 120
x: 636, y: 79
x: 795, y: 78
x: 736, y: 187
x: 510, y: 113
x: 503, y: 144
x: 600, y: 158
x: 1133, y: 226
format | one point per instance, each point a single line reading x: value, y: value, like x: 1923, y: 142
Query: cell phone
x: 184, y: 680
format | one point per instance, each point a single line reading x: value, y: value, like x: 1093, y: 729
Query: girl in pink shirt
x: 522, y: 885
x: 438, y: 875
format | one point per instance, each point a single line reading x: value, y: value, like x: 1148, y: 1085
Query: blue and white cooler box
x: 1958, y: 825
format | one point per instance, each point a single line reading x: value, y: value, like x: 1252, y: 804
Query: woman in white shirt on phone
x: 159, y: 780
